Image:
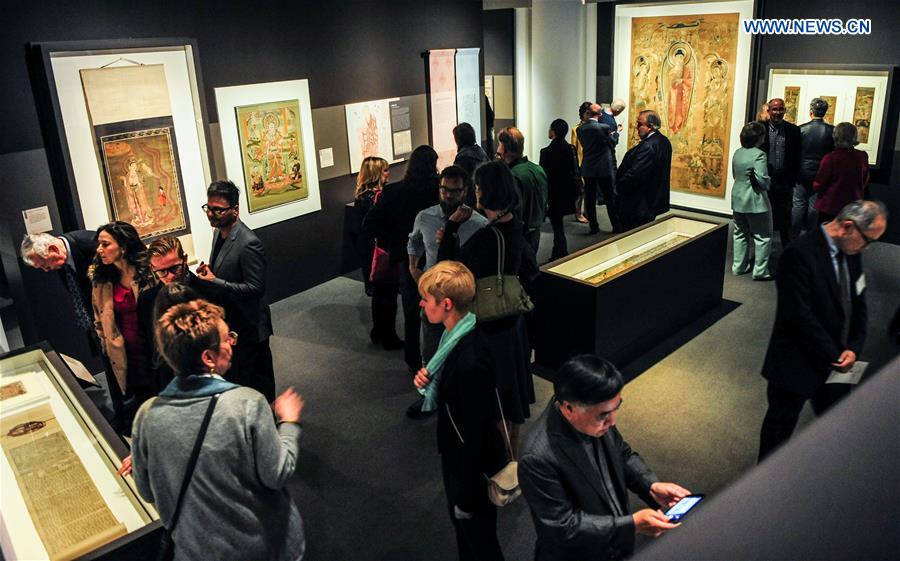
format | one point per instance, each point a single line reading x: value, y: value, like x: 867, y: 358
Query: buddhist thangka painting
x: 272, y: 154
x: 831, y: 100
x: 142, y: 176
x: 683, y: 68
x: 791, y: 102
x: 862, y: 113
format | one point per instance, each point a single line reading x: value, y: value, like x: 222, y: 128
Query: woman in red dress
x: 120, y: 271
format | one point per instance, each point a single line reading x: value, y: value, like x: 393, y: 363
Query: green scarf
x: 435, y: 366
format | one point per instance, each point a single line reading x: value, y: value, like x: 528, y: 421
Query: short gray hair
x: 36, y: 244
x: 652, y: 118
x: 819, y: 107
x: 863, y: 213
x: 617, y: 106
x: 844, y: 135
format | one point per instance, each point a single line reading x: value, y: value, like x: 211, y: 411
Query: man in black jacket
x: 815, y: 141
x: 69, y: 255
x: 820, y: 321
x: 169, y: 263
x: 575, y: 470
x: 642, y: 181
x: 782, y: 146
x: 598, y: 168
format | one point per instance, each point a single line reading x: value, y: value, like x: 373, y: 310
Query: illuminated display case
x: 62, y: 498
x: 620, y: 297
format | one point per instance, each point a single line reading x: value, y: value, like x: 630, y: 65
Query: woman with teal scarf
x: 458, y: 381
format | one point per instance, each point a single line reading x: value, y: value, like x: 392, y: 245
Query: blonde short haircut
x: 449, y: 279
x: 185, y: 331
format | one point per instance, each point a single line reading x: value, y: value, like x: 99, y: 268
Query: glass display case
x: 62, y: 498
x: 620, y: 297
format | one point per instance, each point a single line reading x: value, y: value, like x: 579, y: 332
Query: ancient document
x: 67, y: 510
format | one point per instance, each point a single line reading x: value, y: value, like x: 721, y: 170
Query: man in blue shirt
x: 424, y: 241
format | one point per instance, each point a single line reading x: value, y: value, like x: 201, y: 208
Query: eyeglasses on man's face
x: 216, y: 210
x: 451, y: 191
x: 867, y: 241
x: 174, y: 270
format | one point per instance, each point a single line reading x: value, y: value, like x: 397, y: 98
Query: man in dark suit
x: 560, y: 163
x: 237, y: 263
x: 598, y: 168
x: 70, y: 255
x: 642, y: 181
x: 575, y: 470
x: 820, y: 321
x: 815, y: 141
x: 782, y: 146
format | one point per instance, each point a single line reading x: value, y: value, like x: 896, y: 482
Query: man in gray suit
x: 237, y: 264
x: 575, y: 470
x: 598, y: 168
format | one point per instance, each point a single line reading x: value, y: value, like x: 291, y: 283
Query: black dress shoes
x: 392, y: 343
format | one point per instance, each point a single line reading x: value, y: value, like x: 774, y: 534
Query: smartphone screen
x: 682, y: 507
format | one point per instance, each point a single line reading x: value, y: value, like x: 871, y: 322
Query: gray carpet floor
x: 368, y: 483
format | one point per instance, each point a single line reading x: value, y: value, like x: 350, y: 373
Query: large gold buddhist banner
x: 683, y: 68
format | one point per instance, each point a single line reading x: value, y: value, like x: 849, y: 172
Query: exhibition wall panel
x: 349, y: 51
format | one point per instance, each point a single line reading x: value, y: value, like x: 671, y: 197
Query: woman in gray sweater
x: 236, y: 505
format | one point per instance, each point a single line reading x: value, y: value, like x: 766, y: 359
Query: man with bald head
x: 598, y: 168
x: 782, y: 146
x: 642, y: 181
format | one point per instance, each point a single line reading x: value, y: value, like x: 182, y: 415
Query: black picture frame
x: 53, y: 131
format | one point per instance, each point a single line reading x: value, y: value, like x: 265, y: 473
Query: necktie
x: 845, y: 297
x: 82, y: 318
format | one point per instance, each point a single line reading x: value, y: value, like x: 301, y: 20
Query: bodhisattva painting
x: 683, y: 68
x: 272, y: 154
x: 791, y: 103
x: 862, y: 113
x: 832, y: 104
x: 143, y: 180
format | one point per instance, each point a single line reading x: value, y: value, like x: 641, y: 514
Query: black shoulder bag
x: 166, y: 545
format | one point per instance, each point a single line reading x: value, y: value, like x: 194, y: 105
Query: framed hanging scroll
x: 124, y: 127
x: 267, y: 138
x: 856, y: 94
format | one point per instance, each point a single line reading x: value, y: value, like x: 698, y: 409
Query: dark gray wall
x: 349, y: 50
x: 499, y: 42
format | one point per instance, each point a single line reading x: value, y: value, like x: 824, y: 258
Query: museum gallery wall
x: 855, y: 95
x: 132, y: 137
x: 689, y: 63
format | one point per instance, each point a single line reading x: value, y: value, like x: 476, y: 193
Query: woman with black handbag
x: 498, y: 250
x: 220, y: 488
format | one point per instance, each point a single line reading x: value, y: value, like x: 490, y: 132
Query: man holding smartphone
x: 575, y: 470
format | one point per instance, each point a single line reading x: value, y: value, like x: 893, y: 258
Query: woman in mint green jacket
x: 750, y: 204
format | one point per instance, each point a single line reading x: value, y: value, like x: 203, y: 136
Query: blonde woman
x: 373, y: 175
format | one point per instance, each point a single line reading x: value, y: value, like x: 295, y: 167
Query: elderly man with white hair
x: 69, y: 255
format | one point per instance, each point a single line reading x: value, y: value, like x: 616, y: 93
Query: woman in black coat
x: 390, y: 221
x: 507, y: 337
x: 560, y: 162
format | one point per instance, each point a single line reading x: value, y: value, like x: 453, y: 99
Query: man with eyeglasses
x: 576, y: 470
x: 424, y: 240
x: 237, y: 264
x: 642, y: 181
x: 820, y: 321
x: 169, y: 264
